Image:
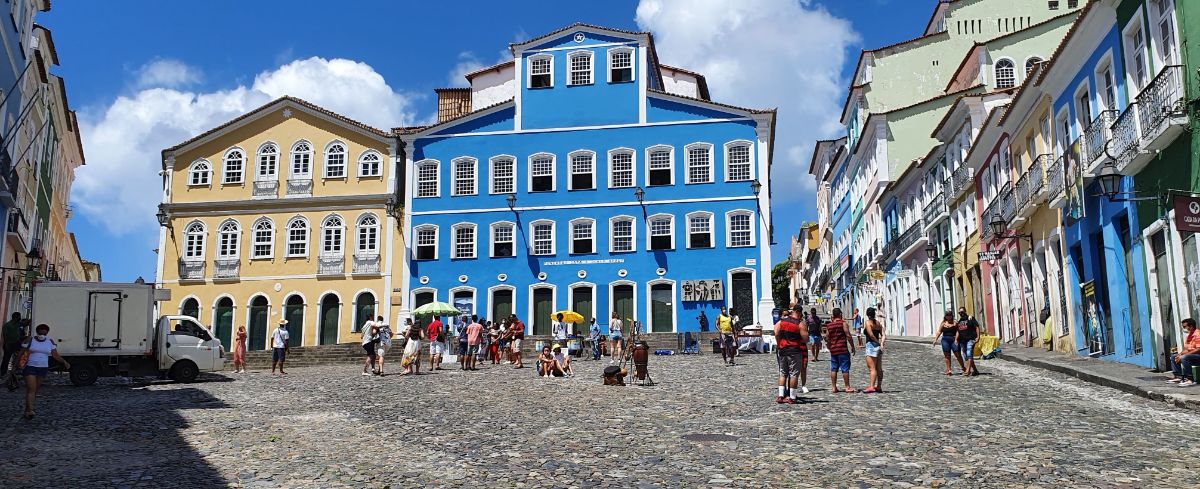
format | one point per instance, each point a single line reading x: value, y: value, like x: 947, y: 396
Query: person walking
x: 791, y: 356
x: 474, y: 339
x: 703, y: 320
x: 411, y: 359
x: 615, y: 338
x: 279, y: 347
x: 10, y: 337
x: 37, y: 365
x: 814, y: 324
x: 382, y: 344
x: 594, y: 339
x: 517, y: 331
x: 946, y: 335
x: 837, y: 337
x: 856, y: 322
x: 873, y: 329
x: 437, y: 343
x: 239, y: 350
x: 728, y: 342
x: 369, y: 337
x: 968, y: 332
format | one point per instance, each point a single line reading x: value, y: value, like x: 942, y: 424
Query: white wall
x: 493, y: 87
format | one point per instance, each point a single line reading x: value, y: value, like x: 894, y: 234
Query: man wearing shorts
x: 814, y: 334
x: 792, y: 356
x: 474, y: 340
x: 517, y: 332
x: 968, y: 332
x: 279, y: 347
x: 837, y: 336
x: 728, y: 342
x: 437, y: 343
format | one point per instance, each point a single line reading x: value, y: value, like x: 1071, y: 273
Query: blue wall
x: 601, y: 102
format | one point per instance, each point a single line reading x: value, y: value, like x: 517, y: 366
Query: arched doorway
x: 420, y: 299
x: 260, y: 311
x: 502, y: 304
x: 623, y: 305
x: 190, y: 307
x: 293, y: 311
x: 742, y: 289
x: 662, y: 308
x: 581, y: 302
x: 364, y: 310
x: 331, y: 311
x: 543, y: 307
x: 223, y: 321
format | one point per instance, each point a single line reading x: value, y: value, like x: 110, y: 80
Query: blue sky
x: 150, y: 74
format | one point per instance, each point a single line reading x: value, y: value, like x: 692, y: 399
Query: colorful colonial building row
x: 1057, y: 203
x: 582, y: 175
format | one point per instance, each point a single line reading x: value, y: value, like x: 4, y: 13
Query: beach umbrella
x: 436, y: 309
x: 568, y: 316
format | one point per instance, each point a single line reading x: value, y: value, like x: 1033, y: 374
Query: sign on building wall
x: 703, y: 291
x: 989, y: 255
x: 1187, y: 213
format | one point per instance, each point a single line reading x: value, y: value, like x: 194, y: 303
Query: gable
x: 662, y: 110
x: 500, y: 120
x: 590, y: 38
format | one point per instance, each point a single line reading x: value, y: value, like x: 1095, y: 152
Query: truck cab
x: 187, y: 348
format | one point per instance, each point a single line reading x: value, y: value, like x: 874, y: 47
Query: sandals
x: 949, y: 373
x: 835, y: 391
x: 869, y: 390
x: 849, y: 390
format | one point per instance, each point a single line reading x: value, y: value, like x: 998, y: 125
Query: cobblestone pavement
x: 499, y: 427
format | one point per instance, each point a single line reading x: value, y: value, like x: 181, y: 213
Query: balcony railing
x: 959, y: 181
x: 191, y: 270
x: 1095, y: 138
x: 1030, y: 189
x: 1125, y: 135
x: 908, y: 237
x: 996, y: 207
x: 935, y: 209
x: 366, y: 263
x: 331, y: 264
x: 299, y: 186
x: 1159, y: 100
x: 1008, y: 204
x: 1054, y: 177
x: 266, y: 188
x: 226, y: 268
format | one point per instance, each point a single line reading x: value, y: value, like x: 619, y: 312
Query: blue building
x: 16, y: 38
x: 586, y: 175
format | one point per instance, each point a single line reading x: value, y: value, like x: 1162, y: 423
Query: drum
x: 641, y: 359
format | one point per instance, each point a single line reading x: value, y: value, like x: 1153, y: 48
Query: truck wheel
x: 83, y: 374
x: 184, y: 371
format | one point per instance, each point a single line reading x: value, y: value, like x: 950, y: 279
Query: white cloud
x: 119, y: 186
x: 467, y: 62
x: 763, y: 53
x: 168, y: 73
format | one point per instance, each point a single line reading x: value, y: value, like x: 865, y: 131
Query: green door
x: 743, y: 298
x: 662, y: 314
x: 419, y: 300
x: 223, y: 321
x: 331, y: 310
x: 543, y: 307
x: 294, y: 313
x: 622, y: 300
x: 259, y: 309
x: 502, y: 304
x: 581, y: 302
x: 190, y: 308
x: 364, y: 310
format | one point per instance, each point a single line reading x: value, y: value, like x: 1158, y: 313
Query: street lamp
x: 640, y: 195
x: 997, y: 223
x: 755, y: 187
x: 393, y: 207
x: 930, y: 250
x: 1109, y: 180
x: 512, y: 202
x: 33, y: 259
x: 164, y: 217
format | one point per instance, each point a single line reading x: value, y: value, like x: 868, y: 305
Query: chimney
x: 452, y: 102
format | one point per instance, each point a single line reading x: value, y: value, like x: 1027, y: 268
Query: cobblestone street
x: 499, y: 427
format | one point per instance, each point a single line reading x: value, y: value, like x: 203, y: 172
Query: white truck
x: 111, y: 329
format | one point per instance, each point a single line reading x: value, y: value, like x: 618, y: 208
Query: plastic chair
x: 690, y: 344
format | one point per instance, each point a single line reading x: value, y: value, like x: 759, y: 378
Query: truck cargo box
x: 97, y: 318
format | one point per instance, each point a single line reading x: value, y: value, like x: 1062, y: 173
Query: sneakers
x: 1175, y: 381
x: 366, y: 374
x: 780, y: 400
x: 804, y: 389
x: 1186, y: 383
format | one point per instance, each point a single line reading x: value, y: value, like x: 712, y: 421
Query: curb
x: 1106, y: 382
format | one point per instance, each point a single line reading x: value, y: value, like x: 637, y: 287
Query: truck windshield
x: 190, y: 328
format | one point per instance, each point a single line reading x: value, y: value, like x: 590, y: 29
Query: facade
x: 584, y: 175
x: 287, y: 212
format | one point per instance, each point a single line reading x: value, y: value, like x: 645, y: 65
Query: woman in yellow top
x: 728, y: 342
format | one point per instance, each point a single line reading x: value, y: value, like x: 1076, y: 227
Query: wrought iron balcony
x: 1008, y: 204
x: 1055, y: 183
x: 1125, y: 136
x: 1030, y: 190
x: 935, y: 210
x: 331, y: 264
x: 1161, y: 100
x: 299, y: 187
x: 1095, y: 139
x: 191, y: 270
x: 959, y: 181
x: 266, y: 188
x: 366, y: 263
x: 226, y: 268
x: 998, y: 207
x: 910, y: 236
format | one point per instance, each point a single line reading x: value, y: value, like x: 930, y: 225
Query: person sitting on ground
x: 546, y: 365
x: 1189, y: 356
x: 562, y: 360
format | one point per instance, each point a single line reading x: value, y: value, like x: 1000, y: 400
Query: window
x: 1052, y: 4
x: 464, y: 241
x: 264, y: 239
x: 699, y: 163
x: 543, y: 238
x: 427, y: 178
x: 367, y: 235
x: 504, y: 175
x: 427, y: 237
x: 700, y: 230
x: 1135, y: 54
x: 297, y: 238
x: 335, y: 160
x: 741, y: 233
x: 583, y: 175
x: 268, y: 162
x: 620, y: 167
x: 502, y: 240
x: 541, y: 71
x: 370, y: 164
x: 1006, y: 74
x: 541, y: 173
x: 1167, y: 52
x: 331, y: 231
x: 1108, y: 91
x: 464, y: 176
x: 620, y: 65
x: 302, y: 160
x: 1031, y: 64
x: 662, y: 236
x: 737, y: 162
x: 193, y: 243
x: 234, y: 162
x: 227, y: 240
x: 621, y: 230
x: 583, y: 236
x: 199, y: 174
x: 1083, y: 110
x: 660, y: 167
x: 579, y: 70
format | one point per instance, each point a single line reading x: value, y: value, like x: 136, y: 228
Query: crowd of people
x: 800, y: 334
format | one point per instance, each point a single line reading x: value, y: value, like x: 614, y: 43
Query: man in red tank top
x: 791, y: 337
x: 837, y: 337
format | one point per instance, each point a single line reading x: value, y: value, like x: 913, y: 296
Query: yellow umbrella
x: 568, y: 316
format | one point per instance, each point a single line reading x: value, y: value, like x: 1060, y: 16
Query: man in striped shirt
x: 837, y: 338
x: 791, y: 336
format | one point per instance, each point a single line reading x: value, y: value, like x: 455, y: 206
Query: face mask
x: 41, y: 337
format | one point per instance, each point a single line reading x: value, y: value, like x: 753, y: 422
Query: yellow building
x: 288, y: 211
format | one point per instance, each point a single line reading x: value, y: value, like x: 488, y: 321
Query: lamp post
x: 164, y: 216
x: 756, y: 188
x: 512, y: 202
x: 394, y: 208
x: 1110, y: 186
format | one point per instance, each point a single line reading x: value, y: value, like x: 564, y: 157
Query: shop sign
x: 702, y: 290
x: 989, y: 255
x: 1187, y: 214
x: 904, y: 273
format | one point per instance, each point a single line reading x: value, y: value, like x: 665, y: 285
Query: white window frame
x: 290, y: 241
x: 294, y: 153
x: 571, y: 168
x: 529, y: 70
x: 360, y: 229
x: 328, y: 154
x: 670, y: 218
x: 591, y: 68
x: 195, y: 171
x: 632, y: 63
x: 1105, y: 64
x: 492, y: 178
x: 262, y: 154
x: 712, y: 238
x: 437, y: 179
x: 1135, y: 24
x: 750, y: 162
x: 632, y: 167
x: 571, y: 231
x: 553, y: 172
x: 1082, y: 123
x: 254, y: 254
x: 670, y: 156
x: 473, y: 180
x: 1029, y: 69
x: 729, y: 227
x: 225, y: 171
x: 341, y: 233
x: 454, y: 254
x: 199, y: 231
x: 1155, y: 38
x: 363, y: 162
x: 512, y: 226
x: 437, y: 235
x: 1016, y: 79
x: 612, y: 235
x: 687, y: 160
x: 237, y: 239
x: 533, y: 239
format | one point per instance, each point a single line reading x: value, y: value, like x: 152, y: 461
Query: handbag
x: 11, y: 382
